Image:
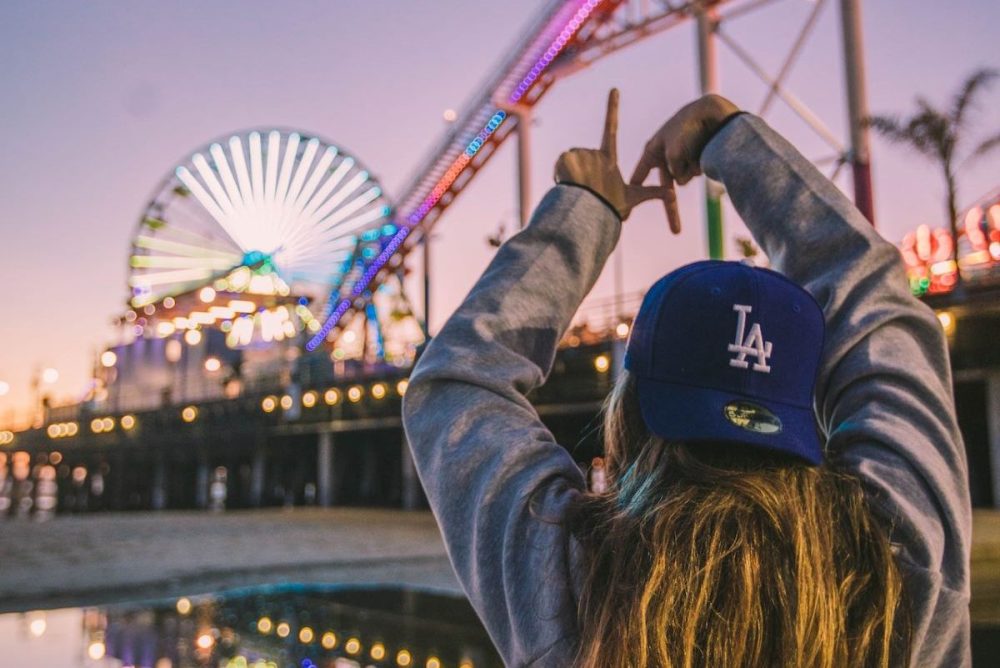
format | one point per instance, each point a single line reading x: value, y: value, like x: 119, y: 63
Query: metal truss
x: 567, y: 36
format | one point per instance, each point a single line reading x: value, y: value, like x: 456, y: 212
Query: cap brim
x: 696, y: 414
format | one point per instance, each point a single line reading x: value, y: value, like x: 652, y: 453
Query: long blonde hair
x: 703, y: 556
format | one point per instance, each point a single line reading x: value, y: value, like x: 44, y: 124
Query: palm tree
x: 939, y: 135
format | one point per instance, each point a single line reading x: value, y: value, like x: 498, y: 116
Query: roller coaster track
x: 565, y: 36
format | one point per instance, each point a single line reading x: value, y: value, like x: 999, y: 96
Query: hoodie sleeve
x: 884, y: 392
x: 496, y: 481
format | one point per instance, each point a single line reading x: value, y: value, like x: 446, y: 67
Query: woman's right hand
x: 675, y: 149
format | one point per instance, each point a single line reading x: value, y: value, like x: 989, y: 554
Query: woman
x: 730, y: 534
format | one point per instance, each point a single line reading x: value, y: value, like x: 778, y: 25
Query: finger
x: 636, y: 195
x: 683, y: 170
x: 650, y: 159
x: 609, y: 143
x: 670, y: 201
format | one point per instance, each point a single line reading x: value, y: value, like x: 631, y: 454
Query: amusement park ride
x: 284, y: 247
x: 268, y: 266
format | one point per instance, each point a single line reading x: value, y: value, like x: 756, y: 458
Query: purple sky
x: 101, y: 99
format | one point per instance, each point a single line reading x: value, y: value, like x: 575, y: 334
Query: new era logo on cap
x: 726, y: 352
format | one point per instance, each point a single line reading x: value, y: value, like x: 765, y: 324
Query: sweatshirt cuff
x: 595, y: 194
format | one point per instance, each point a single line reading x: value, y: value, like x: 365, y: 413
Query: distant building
x: 966, y: 298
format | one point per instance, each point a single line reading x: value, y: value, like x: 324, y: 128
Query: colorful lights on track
x: 554, y: 38
x: 411, y: 221
x: 554, y: 49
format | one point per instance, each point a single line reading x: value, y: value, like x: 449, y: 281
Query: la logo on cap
x: 753, y: 345
x: 699, y: 382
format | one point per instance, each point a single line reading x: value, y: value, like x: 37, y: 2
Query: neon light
x: 291, y: 149
x: 319, y: 204
x: 146, y: 280
x: 175, y: 262
x: 187, y: 178
x: 271, y: 173
x: 366, y: 198
x: 167, y: 246
x: 309, y: 189
x: 256, y: 169
x: 553, y: 49
x: 268, y: 199
x: 300, y: 174
x: 213, y: 184
x: 221, y: 312
x: 546, y: 56
x: 242, y: 175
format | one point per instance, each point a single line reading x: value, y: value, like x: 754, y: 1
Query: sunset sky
x: 100, y: 100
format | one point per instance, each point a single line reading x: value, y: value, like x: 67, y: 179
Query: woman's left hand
x: 597, y: 170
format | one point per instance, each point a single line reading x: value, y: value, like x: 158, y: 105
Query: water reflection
x: 270, y: 628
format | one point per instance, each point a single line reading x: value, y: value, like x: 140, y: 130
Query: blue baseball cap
x: 726, y: 352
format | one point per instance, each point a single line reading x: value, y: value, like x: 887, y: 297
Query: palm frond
x: 889, y: 127
x: 964, y: 100
x: 987, y: 145
x: 927, y: 131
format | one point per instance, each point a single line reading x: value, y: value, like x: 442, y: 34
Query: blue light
x: 388, y: 229
x: 253, y: 257
x: 361, y: 284
x: 369, y: 253
x: 484, y: 134
x: 303, y: 301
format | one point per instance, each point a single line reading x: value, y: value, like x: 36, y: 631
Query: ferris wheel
x: 252, y: 232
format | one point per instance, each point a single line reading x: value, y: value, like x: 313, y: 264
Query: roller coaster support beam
x: 857, y: 106
x: 426, y: 243
x: 706, y: 21
x: 524, y: 118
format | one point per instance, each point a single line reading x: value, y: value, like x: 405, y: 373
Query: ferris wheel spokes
x: 274, y: 216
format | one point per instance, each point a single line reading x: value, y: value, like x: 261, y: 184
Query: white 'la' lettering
x: 753, y: 345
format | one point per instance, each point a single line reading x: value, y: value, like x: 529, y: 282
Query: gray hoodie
x: 883, y: 400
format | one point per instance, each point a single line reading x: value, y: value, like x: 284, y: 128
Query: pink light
x: 554, y: 48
